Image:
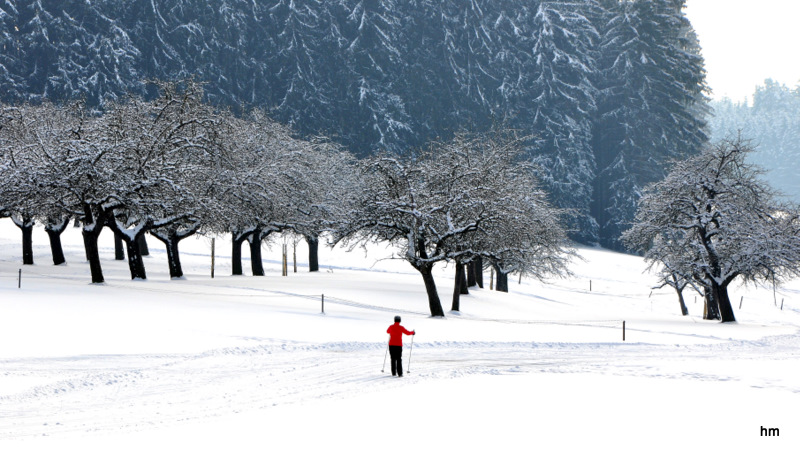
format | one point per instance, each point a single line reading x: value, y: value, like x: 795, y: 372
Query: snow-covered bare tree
x: 160, y: 149
x: 329, y: 191
x: 454, y: 201
x: 32, y: 135
x: 493, y: 187
x: 64, y: 170
x: 17, y: 138
x: 257, y: 184
x: 729, y: 221
x: 398, y: 207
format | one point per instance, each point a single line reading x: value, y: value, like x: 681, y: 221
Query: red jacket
x: 396, y: 334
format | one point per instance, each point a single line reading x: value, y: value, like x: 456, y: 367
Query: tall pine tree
x: 652, y: 85
x: 561, y: 105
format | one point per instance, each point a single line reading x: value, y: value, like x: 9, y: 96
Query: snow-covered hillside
x: 250, y: 365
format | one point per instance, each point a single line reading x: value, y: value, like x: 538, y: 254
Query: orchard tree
x: 162, y: 150
x: 729, y: 219
x: 398, y: 207
x: 32, y: 136
x: 676, y: 266
x: 328, y: 192
x: 256, y: 184
x: 54, y: 154
x: 449, y: 202
x: 494, y: 187
x: 18, y: 201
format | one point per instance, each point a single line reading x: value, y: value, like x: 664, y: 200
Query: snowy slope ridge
x: 250, y: 365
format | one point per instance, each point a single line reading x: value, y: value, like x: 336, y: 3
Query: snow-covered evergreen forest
x: 607, y: 92
x: 394, y: 146
x: 772, y: 121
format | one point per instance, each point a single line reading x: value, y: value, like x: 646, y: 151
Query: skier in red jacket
x: 396, y: 332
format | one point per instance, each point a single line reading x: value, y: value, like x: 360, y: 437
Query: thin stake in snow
x: 740, y: 302
x: 384, y: 357
x: 19, y: 284
x: 285, y: 261
x: 411, y: 347
x: 212, y: 257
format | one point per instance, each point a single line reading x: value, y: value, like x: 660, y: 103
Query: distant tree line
x: 607, y: 92
x: 772, y: 120
x: 175, y: 166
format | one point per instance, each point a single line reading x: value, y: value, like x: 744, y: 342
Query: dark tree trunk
x: 55, y: 247
x: 54, y: 231
x: 313, y: 253
x: 171, y: 238
x: 26, y: 226
x: 93, y: 254
x: 679, y: 289
x: 711, y: 310
x: 478, y: 266
x: 27, y: 244
x: 236, y: 253
x: 501, y: 284
x: 174, y: 258
x: 471, y: 279
x: 135, y: 261
x: 461, y: 268
x: 723, y: 302
x: 684, y: 310
x: 430, y: 287
x: 459, y: 287
x: 133, y: 245
x: 91, y: 231
x: 87, y: 247
x: 143, y: 249
x: 119, y: 248
x: 256, y: 262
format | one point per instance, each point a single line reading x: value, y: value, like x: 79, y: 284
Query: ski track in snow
x: 135, y: 392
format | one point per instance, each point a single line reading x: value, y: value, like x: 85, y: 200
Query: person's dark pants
x: 396, y: 353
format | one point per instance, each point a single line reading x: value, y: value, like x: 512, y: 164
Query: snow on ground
x: 250, y: 365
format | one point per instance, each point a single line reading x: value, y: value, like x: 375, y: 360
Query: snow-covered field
x: 250, y: 365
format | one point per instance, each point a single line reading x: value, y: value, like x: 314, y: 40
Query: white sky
x: 747, y: 41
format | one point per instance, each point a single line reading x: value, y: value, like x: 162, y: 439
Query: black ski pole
x: 384, y: 357
x: 409, y: 353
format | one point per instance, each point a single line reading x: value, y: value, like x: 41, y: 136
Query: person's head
x: 397, y: 318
